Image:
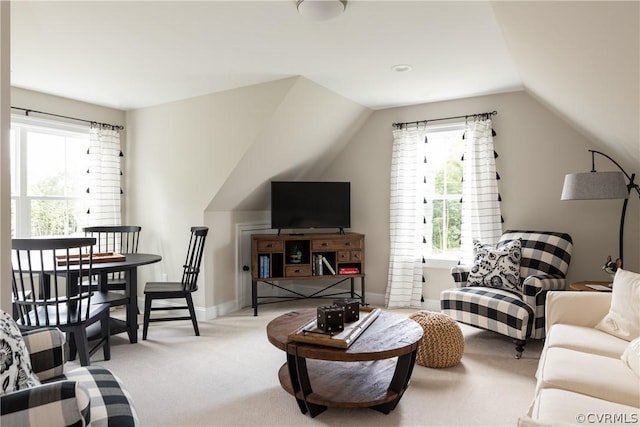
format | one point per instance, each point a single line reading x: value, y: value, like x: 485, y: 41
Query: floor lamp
x: 601, y: 185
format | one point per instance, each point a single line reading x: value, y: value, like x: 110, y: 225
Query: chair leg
x: 147, y: 313
x: 519, y: 347
x: 106, y: 336
x: 192, y: 313
x: 82, y: 345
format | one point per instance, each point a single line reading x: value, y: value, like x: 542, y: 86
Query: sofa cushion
x: 594, y: 375
x: 496, y: 267
x: 588, y: 340
x: 15, y: 365
x: 623, y: 319
x: 561, y: 407
x: 631, y: 356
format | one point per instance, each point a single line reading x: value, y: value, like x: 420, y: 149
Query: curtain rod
x: 29, y: 110
x: 475, y: 116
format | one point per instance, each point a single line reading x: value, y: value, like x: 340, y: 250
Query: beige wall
x: 536, y: 149
x: 180, y: 155
x: 208, y: 160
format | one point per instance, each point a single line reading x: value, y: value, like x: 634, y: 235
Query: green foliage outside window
x: 447, y: 209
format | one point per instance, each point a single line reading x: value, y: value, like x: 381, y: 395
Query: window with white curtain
x: 48, y: 163
x: 444, y: 149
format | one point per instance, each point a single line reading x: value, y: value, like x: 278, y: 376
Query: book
x: 348, y: 270
x: 326, y: 262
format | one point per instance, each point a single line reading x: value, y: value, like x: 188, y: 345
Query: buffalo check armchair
x: 515, y: 306
x: 36, y: 390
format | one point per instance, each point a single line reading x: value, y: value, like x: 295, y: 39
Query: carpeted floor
x: 228, y: 377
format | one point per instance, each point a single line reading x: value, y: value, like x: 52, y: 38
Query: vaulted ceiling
x: 581, y: 59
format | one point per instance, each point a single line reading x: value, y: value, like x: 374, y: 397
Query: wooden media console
x: 313, y: 256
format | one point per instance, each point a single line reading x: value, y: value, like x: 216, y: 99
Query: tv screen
x: 306, y: 204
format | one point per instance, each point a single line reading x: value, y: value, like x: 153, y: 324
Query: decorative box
x: 331, y: 319
x: 351, y: 309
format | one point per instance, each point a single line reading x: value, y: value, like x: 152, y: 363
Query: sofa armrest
x: 56, y: 403
x: 460, y: 274
x: 46, y: 351
x: 576, y: 308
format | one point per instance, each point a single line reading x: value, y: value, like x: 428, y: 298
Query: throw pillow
x: 15, y: 364
x: 631, y: 356
x: 496, y: 267
x: 623, y: 319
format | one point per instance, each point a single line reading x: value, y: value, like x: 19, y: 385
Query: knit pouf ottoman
x: 442, y: 344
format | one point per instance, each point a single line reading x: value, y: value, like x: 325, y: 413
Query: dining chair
x: 48, y: 292
x: 122, y: 239
x: 183, y: 289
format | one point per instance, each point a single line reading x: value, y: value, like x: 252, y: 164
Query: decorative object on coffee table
x: 442, y: 343
x: 351, y: 309
x: 331, y: 318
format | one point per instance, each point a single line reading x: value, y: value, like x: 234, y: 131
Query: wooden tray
x: 311, y: 334
x: 98, y: 257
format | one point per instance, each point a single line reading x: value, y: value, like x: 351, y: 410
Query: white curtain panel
x: 481, y: 217
x: 404, y: 286
x: 104, y: 196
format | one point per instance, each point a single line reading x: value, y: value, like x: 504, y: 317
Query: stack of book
x: 264, y: 266
x: 348, y: 270
x: 319, y: 265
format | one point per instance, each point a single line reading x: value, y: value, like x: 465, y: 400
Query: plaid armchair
x: 84, y: 396
x: 544, y: 262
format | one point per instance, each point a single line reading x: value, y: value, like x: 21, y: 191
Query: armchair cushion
x: 496, y: 267
x: 15, y: 365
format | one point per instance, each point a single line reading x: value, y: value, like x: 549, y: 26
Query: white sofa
x: 581, y: 377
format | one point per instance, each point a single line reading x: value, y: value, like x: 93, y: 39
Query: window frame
x: 20, y: 200
x: 444, y: 261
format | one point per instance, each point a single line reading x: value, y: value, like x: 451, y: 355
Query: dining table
x: 130, y: 266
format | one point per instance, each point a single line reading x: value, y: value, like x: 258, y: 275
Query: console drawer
x: 297, y: 270
x: 335, y: 244
x: 346, y: 256
x: 270, y: 245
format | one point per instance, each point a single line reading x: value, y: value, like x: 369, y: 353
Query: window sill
x: 443, y: 264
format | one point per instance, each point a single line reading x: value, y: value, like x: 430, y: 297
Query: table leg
x: 362, y: 290
x: 254, y: 296
x: 132, y: 307
x: 300, y: 383
x: 400, y: 380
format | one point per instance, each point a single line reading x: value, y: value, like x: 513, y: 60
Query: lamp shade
x: 594, y: 185
x: 321, y: 10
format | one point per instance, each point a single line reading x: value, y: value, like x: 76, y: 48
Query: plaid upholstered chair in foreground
x: 35, y: 390
x: 495, y: 295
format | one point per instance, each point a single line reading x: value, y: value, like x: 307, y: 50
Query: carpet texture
x: 228, y: 377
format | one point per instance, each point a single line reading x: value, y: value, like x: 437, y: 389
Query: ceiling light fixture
x: 321, y: 10
x: 401, y: 68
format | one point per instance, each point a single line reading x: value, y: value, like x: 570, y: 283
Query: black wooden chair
x: 48, y: 292
x: 182, y: 289
x: 122, y: 239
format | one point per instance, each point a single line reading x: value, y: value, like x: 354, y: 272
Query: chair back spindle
x: 191, y: 267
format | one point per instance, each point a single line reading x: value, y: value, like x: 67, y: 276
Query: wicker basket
x: 442, y: 344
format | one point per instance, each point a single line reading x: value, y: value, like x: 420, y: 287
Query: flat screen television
x: 310, y: 204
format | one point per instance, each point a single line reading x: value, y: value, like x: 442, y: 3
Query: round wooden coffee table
x: 367, y: 374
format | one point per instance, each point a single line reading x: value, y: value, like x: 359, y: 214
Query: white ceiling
x: 578, y: 58
x: 129, y: 55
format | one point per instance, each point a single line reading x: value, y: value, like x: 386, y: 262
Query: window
x: 48, y: 177
x: 443, y: 193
